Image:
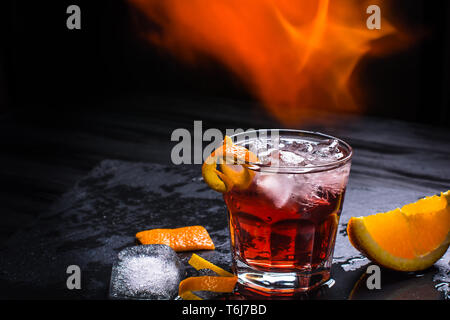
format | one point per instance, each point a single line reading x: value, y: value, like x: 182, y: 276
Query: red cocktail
x: 283, y: 224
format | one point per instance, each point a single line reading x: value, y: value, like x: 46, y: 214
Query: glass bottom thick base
x: 281, y: 282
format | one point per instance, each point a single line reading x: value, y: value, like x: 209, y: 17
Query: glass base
x: 280, y: 282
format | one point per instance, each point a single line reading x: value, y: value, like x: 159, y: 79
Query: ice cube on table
x: 146, y: 272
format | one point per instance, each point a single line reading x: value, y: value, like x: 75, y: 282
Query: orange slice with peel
x: 233, y: 161
x: 224, y: 283
x: 180, y: 239
x: 410, y: 238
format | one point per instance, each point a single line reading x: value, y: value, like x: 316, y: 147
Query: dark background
x: 46, y: 67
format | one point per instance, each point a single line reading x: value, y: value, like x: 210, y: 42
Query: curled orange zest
x: 224, y: 283
x: 205, y: 283
x: 180, y: 239
x: 228, y: 155
x: 199, y: 263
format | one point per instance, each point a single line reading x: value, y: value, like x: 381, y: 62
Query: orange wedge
x: 410, y: 238
x: 233, y: 161
x: 180, y: 239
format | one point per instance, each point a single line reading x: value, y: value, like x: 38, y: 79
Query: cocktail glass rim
x: 271, y: 168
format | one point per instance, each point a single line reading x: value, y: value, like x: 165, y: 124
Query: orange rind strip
x: 188, y: 295
x: 225, y: 282
x: 205, y: 283
x: 228, y: 154
x: 180, y: 239
x: 199, y: 263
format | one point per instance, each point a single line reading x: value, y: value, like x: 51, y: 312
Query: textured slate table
x: 92, y: 222
x: 395, y: 163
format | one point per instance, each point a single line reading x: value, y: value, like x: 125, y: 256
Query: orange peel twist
x: 224, y: 283
x: 229, y: 153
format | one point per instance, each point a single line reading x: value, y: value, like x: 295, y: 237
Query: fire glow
x: 296, y: 56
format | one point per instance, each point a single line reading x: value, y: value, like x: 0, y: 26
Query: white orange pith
x: 410, y: 238
x: 231, y: 175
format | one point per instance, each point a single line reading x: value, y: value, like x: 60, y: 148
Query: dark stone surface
x: 63, y: 203
x: 99, y: 217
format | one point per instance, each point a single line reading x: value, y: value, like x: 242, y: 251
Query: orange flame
x: 295, y: 55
